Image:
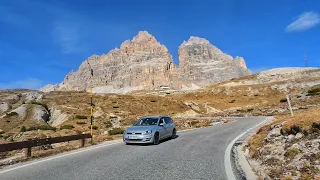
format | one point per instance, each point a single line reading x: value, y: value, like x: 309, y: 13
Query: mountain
x: 144, y: 64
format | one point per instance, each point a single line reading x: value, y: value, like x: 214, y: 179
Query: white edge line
x: 227, y: 153
x: 67, y: 154
x: 70, y: 153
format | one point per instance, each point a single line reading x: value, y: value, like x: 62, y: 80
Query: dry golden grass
x: 302, y: 118
x: 230, y: 97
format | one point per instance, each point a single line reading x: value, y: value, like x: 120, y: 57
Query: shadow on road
x: 162, y: 141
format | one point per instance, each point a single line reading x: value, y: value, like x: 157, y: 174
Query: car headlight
x: 147, y: 132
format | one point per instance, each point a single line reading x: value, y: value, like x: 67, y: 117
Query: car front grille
x: 134, y: 139
x: 133, y: 133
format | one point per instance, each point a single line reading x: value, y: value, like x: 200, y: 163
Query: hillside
x: 28, y: 114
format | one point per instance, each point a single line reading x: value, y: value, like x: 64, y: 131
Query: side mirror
x: 161, y: 124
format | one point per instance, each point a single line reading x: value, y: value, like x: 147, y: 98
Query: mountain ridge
x: 143, y: 63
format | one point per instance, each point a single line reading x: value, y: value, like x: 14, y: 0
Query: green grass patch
x: 67, y: 126
x: 81, y: 117
x: 115, y: 131
x: 42, y: 127
x: 291, y: 153
x: 23, y: 129
x: 93, y: 127
x: 10, y: 114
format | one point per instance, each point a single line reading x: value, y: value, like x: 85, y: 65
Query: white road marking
x: 227, y: 154
x: 59, y: 156
x: 69, y: 153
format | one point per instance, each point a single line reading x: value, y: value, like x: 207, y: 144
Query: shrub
x: 23, y: 129
x: 295, y: 129
x: 291, y: 153
x: 42, y: 127
x: 153, y: 101
x: 10, y: 114
x: 108, y: 124
x: 232, y: 101
x: 93, y: 127
x: 316, y: 125
x: 192, y: 123
x: 115, y: 131
x: 67, y: 126
x: 115, y: 107
x: 283, y: 100
x: 314, y: 91
x: 81, y: 122
x: 81, y: 117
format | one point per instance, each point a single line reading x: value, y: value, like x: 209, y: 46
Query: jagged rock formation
x: 144, y: 64
x: 202, y: 63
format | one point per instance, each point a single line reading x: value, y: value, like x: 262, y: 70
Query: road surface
x: 196, y: 154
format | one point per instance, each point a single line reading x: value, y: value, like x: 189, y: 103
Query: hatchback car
x: 150, y: 129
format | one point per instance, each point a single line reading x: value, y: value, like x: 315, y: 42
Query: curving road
x: 196, y: 154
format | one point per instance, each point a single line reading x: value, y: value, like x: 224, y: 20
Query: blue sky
x: 42, y: 40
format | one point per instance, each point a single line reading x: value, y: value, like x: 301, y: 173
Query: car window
x: 168, y: 120
x: 146, y: 122
x: 161, y: 121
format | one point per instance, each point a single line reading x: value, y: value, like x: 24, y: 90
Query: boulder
x: 4, y: 107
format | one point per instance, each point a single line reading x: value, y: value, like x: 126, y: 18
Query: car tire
x: 156, y: 138
x: 174, y: 133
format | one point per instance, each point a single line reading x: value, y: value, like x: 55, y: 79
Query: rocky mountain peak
x: 143, y: 42
x: 143, y: 36
x: 240, y: 62
x: 195, y: 40
x: 144, y: 63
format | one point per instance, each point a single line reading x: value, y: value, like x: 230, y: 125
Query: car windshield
x: 146, y: 122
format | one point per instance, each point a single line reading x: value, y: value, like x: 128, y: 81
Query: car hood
x: 140, y: 128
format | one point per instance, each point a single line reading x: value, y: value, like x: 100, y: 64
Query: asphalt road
x: 196, y: 154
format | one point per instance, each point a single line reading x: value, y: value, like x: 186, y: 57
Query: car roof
x: 154, y: 116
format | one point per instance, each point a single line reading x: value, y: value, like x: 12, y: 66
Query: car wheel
x: 174, y: 133
x: 156, y: 138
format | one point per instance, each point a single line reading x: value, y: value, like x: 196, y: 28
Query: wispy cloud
x: 67, y: 35
x: 28, y: 83
x: 305, y: 21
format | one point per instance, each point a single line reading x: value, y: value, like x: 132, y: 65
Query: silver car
x: 150, y: 129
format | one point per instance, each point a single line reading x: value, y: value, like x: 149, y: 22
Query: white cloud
x: 28, y: 83
x: 305, y: 21
x: 66, y: 34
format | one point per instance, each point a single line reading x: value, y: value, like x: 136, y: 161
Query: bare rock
x: 290, y: 138
x: 201, y: 63
x: 49, y: 88
x: 144, y: 64
x: 299, y: 136
x: 32, y: 97
x: 275, y: 132
x: 4, y: 106
x: 21, y: 110
x: 57, y: 117
x: 40, y: 113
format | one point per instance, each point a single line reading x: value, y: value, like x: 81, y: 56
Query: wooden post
x: 83, y: 141
x: 27, y: 152
x: 288, y: 99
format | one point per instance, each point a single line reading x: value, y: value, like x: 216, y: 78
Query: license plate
x: 133, y: 137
